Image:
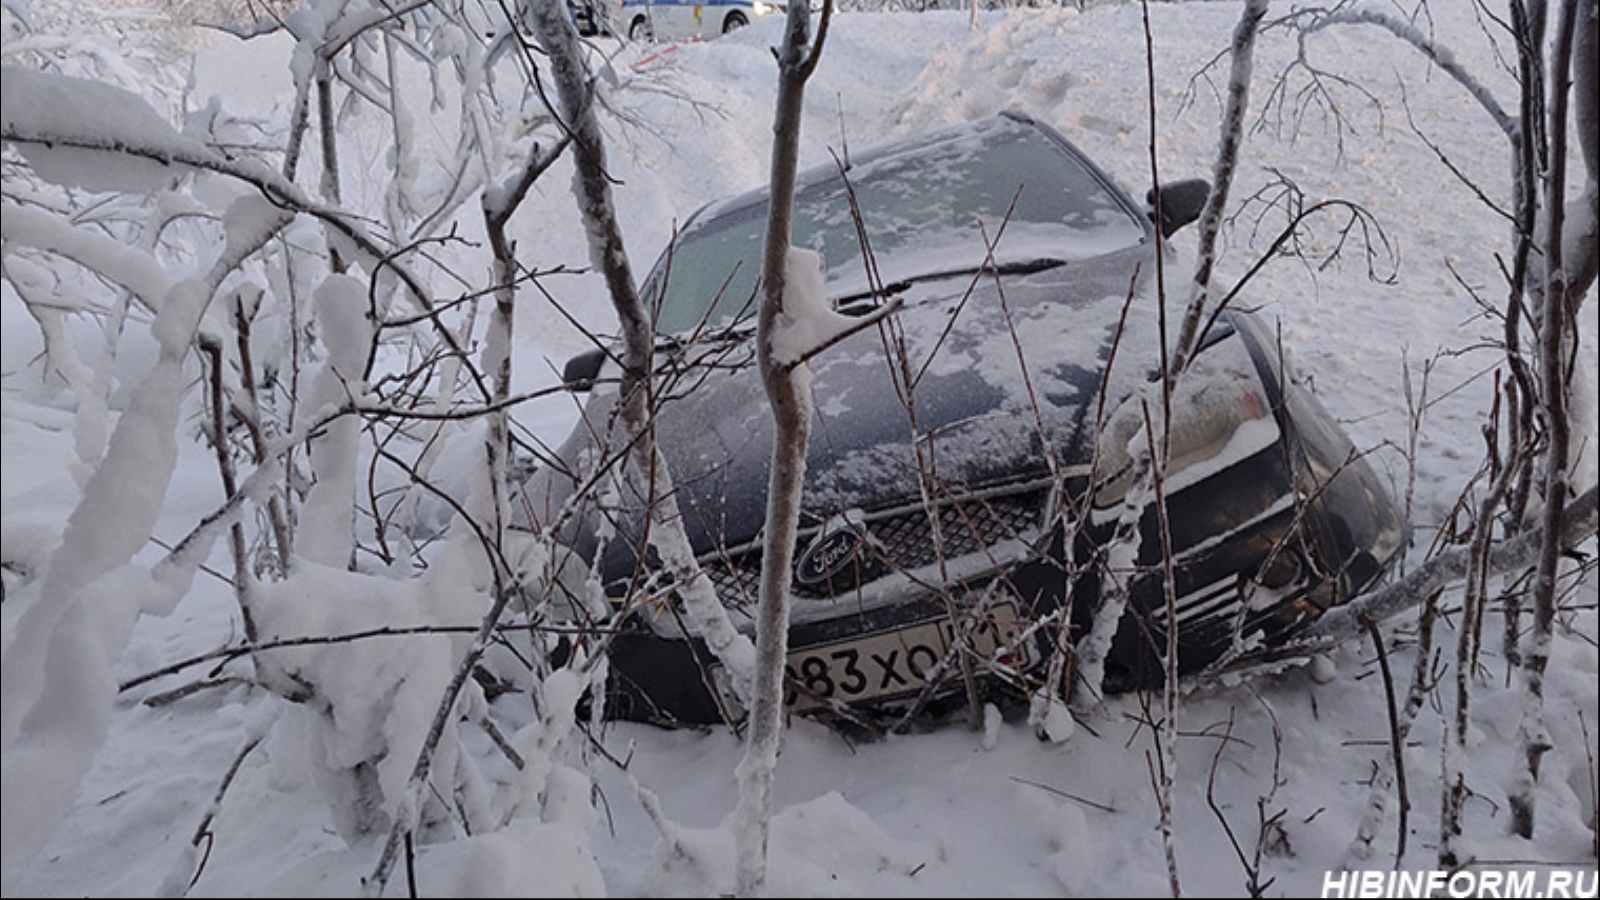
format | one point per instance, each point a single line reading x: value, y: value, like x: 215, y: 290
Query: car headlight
x: 1220, y: 416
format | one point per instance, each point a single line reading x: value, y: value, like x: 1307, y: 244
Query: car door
x: 701, y: 19
x: 672, y: 19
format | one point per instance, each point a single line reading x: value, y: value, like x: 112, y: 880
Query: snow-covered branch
x: 1312, y: 21
x: 1227, y: 161
x: 1341, y: 623
x: 592, y: 187
x: 50, y: 117
x: 792, y: 322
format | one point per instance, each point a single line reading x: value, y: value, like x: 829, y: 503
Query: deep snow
x: 952, y: 812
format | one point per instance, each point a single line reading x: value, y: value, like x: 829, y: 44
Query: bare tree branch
x: 1578, y: 523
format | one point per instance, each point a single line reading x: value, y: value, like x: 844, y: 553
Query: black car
x: 970, y: 458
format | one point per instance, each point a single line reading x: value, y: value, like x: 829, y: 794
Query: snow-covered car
x: 679, y: 20
x: 972, y: 456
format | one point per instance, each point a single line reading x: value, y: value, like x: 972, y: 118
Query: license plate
x: 894, y: 663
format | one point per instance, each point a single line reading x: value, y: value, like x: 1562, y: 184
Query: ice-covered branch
x: 57, y: 681
x: 53, y: 120
x: 1581, y: 239
x: 1439, y: 55
x: 592, y: 186
x: 1557, y: 338
x: 117, y: 261
x: 1232, y: 135
x: 793, y: 321
x: 808, y: 326
x: 1340, y: 623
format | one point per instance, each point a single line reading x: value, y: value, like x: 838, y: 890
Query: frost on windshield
x: 939, y: 207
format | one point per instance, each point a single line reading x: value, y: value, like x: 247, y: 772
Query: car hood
x: 1003, y: 376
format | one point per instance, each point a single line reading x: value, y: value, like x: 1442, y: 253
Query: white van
x: 677, y: 20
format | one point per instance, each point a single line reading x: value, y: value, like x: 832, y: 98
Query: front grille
x: 896, y: 540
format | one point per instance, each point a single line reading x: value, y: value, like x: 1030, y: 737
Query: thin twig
x: 203, y: 830
x: 1396, y: 742
x: 1092, y: 804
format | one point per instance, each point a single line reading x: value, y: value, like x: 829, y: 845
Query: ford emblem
x: 832, y: 552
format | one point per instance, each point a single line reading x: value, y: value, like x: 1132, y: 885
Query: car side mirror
x: 1181, y: 203
x: 580, y: 372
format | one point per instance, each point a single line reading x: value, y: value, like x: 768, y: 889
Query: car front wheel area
x: 734, y: 22
x: 639, y: 29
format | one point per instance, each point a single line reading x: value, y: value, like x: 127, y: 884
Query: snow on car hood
x: 978, y: 407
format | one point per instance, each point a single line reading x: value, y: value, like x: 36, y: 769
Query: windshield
x: 925, y: 210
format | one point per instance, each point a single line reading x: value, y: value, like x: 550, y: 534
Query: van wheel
x: 640, y: 29
x: 734, y: 21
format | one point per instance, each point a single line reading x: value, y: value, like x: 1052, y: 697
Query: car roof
x: 829, y: 171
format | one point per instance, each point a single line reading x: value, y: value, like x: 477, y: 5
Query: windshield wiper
x: 1017, y: 267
